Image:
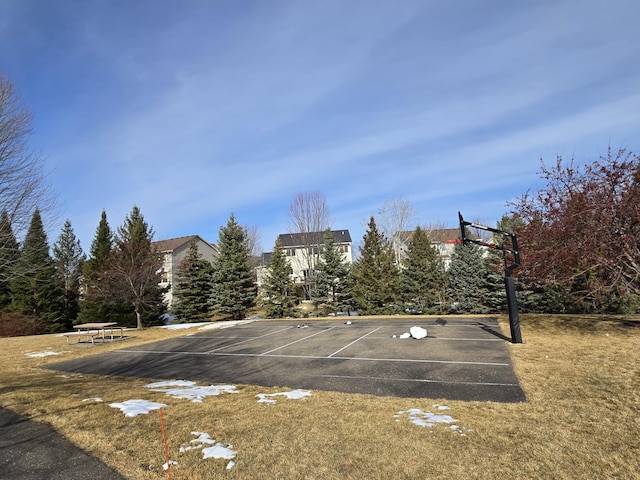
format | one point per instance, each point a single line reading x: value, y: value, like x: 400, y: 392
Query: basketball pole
x: 509, y: 282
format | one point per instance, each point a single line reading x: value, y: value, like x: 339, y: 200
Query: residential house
x: 443, y: 239
x: 174, y: 250
x: 302, y: 251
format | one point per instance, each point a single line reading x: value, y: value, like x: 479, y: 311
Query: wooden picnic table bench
x: 93, y: 330
x: 91, y: 334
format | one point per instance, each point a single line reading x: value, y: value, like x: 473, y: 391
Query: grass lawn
x: 581, y: 375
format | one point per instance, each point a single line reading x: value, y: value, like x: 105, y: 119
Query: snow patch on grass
x: 292, y: 395
x: 188, y: 390
x: 429, y: 419
x: 133, y: 408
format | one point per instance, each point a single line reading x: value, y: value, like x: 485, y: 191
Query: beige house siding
x: 174, y: 251
x: 444, y: 240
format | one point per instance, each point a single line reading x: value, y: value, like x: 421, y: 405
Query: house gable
x: 174, y: 250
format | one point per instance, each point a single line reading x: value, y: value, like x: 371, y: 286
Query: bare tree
x: 394, y: 217
x: 22, y: 181
x: 309, y: 212
x: 309, y: 218
x: 483, y: 235
x: 254, y: 240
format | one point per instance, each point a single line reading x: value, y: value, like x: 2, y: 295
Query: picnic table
x: 93, y: 330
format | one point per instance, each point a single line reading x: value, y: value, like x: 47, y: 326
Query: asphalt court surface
x: 460, y: 359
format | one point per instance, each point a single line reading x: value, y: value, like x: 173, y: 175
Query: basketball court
x: 460, y: 359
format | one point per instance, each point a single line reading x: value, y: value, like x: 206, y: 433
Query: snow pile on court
x: 414, y: 332
x: 293, y: 395
x: 189, y: 390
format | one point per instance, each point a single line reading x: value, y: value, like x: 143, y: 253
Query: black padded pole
x: 512, y: 305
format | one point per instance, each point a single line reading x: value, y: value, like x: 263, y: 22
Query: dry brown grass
x: 582, y: 418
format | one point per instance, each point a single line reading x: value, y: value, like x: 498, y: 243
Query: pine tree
x: 134, y: 271
x: 234, y: 290
x: 96, y: 303
x: 36, y: 291
x: 423, y: 278
x: 374, y: 274
x: 68, y: 259
x: 192, y: 292
x: 278, y: 288
x: 9, y: 255
x: 471, y: 280
x: 330, y: 277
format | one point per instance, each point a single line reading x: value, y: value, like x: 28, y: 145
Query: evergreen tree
x: 97, y: 304
x: 278, y: 288
x: 374, y: 274
x: 473, y: 286
x: 234, y: 290
x: 68, y: 259
x: 9, y: 255
x: 423, y: 278
x: 192, y: 292
x: 134, y: 271
x: 36, y: 291
x: 330, y: 277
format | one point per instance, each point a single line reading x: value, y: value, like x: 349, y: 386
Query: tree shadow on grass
x: 583, y: 323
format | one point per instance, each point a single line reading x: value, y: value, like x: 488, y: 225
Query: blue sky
x: 196, y: 109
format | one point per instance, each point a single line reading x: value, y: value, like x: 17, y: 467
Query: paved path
x: 33, y: 451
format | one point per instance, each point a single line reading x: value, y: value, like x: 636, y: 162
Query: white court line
x: 296, y: 341
x: 453, y: 339
x: 164, y: 352
x: 356, y: 340
x: 250, y: 339
x: 315, y: 357
x: 422, y: 380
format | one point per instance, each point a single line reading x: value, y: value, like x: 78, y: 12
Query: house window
x: 291, y: 252
x: 307, y: 273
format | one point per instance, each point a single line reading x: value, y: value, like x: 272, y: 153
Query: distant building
x: 443, y: 239
x: 174, y: 250
x: 302, y: 252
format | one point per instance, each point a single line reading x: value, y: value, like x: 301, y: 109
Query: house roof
x: 171, y: 244
x: 312, y: 238
x: 436, y: 235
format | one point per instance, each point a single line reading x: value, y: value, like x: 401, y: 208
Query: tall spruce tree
x: 9, y: 255
x: 36, y: 291
x: 472, y: 285
x: 374, y: 274
x: 135, y: 270
x: 193, y: 289
x: 96, y: 302
x: 423, y: 278
x: 234, y: 291
x: 331, y: 277
x: 68, y: 259
x: 278, y: 290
